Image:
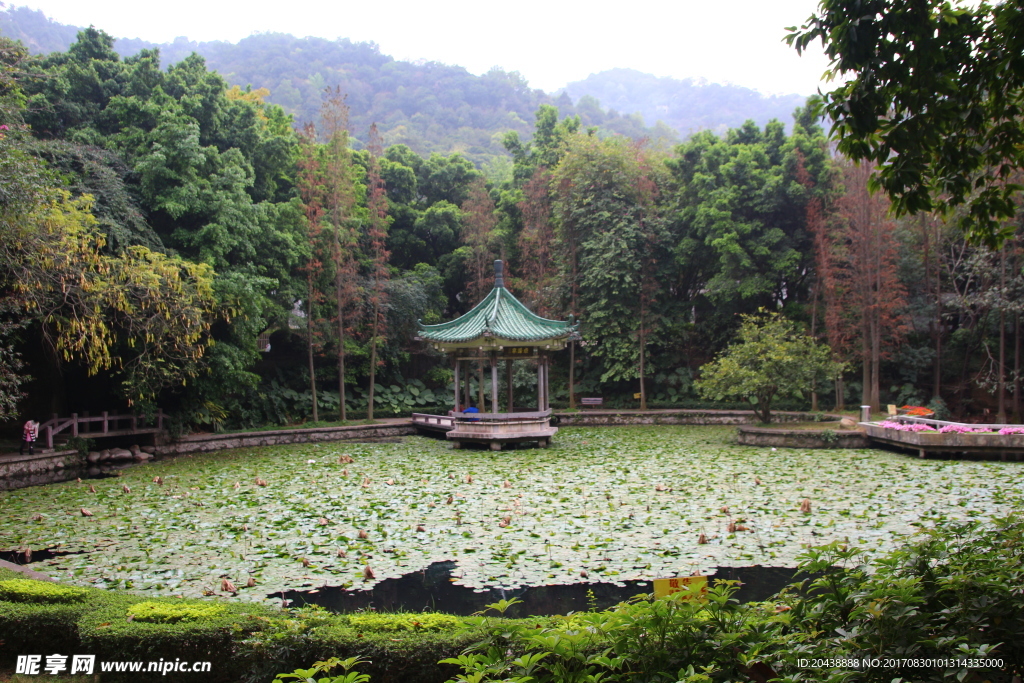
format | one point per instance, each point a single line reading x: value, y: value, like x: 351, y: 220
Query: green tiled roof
x: 499, y: 315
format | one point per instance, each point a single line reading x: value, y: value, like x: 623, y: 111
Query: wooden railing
x: 437, y: 422
x: 110, y: 425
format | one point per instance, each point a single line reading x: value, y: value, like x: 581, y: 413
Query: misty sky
x: 550, y: 42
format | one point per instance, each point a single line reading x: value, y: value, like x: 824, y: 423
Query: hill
x: 434, y: 107
x: 685, y: 105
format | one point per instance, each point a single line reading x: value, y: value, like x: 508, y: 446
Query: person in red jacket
x: 29, y: 435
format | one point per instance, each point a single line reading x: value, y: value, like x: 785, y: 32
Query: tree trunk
x: 814, y: 325
x: 1016, y: 367
x: 876, y: 323
x: 937, y: 369
x: 865, y: 391
x: 309, y: 347
x: 643, y: 390
x: 572, y: 375
x: 1001, y: 384
x: 373, y: 359
x: 341, y: 352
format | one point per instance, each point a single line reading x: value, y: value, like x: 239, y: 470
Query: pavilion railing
x: 501, y: 417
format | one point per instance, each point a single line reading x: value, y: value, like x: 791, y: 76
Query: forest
x: 173, y: 240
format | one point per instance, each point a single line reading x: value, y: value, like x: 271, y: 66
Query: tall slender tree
x: 339, y: 196
x: 536, y: 242
x: 376, y: 237
x: 478, y: 223
x: 875, y: 297
x: 310, y: 189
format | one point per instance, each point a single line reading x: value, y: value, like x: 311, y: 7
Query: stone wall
x: 801, y: 438
x: 17, y: 471
x: 596, y: 418
x: 203, y: 443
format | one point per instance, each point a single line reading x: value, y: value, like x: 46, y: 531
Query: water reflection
x: 432, y: 589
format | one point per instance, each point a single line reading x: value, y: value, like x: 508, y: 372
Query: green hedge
x: 28, y: 626
x: 28, y: 590
x: 952, y: 592
x: 244, y: 642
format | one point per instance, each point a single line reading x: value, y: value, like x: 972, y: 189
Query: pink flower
x: 963, y: 429
x: 907, y: 427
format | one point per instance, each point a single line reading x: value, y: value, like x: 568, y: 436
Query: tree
x: 479, y: 221
x: 873, y: 298
x: 376, y: 236
x: 339, y: 203
x: 311, y: 192
x: 139, y: 312
x: 933, y: 93
x: 771, y: 359
x: 536, y: 242
x: 611, y: 231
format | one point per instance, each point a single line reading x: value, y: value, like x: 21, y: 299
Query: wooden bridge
x: 107, y: 425
x: 433, y: 423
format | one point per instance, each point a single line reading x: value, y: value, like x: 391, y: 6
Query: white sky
x: 550, y: 42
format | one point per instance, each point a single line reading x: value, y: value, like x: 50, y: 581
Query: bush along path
x: 947, y: 606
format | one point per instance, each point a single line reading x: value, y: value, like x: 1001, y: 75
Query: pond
x: 602, y: 505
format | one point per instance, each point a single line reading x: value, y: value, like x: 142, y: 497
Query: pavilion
x: 499, y: 328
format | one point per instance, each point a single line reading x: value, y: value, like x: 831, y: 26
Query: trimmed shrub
x: 172, y: 613
x: 30, y: 590
x: 390, y: 623
x: 36, y: 626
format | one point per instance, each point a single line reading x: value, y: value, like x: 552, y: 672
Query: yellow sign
x: 636, y: 395
x: 693, y: 587
x: 519, y: 351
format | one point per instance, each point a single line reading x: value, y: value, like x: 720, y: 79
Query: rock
x: 94, y: 471
x: 104, y: 455
x: 134, y: 448
x: 93, y: 457
x: 847, y: 423
x: 120, y: 454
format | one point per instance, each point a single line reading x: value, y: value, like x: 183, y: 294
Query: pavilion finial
x: 499, y: 280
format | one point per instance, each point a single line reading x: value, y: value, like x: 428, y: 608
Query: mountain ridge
x: 435, y: 107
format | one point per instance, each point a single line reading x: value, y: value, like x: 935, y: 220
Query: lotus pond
x: 602, y: 504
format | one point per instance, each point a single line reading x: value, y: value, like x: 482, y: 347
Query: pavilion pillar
x: 480, y: 387
x: 540, y: 383
x: 457, y: 385
x: 510, y: 408
x: 494, y: 383
x: 546, y: 384
x: 466, y: 394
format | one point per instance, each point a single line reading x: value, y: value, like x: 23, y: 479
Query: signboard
x: 697, y: 585
x: 519, y: 350
x: 636, y: 395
